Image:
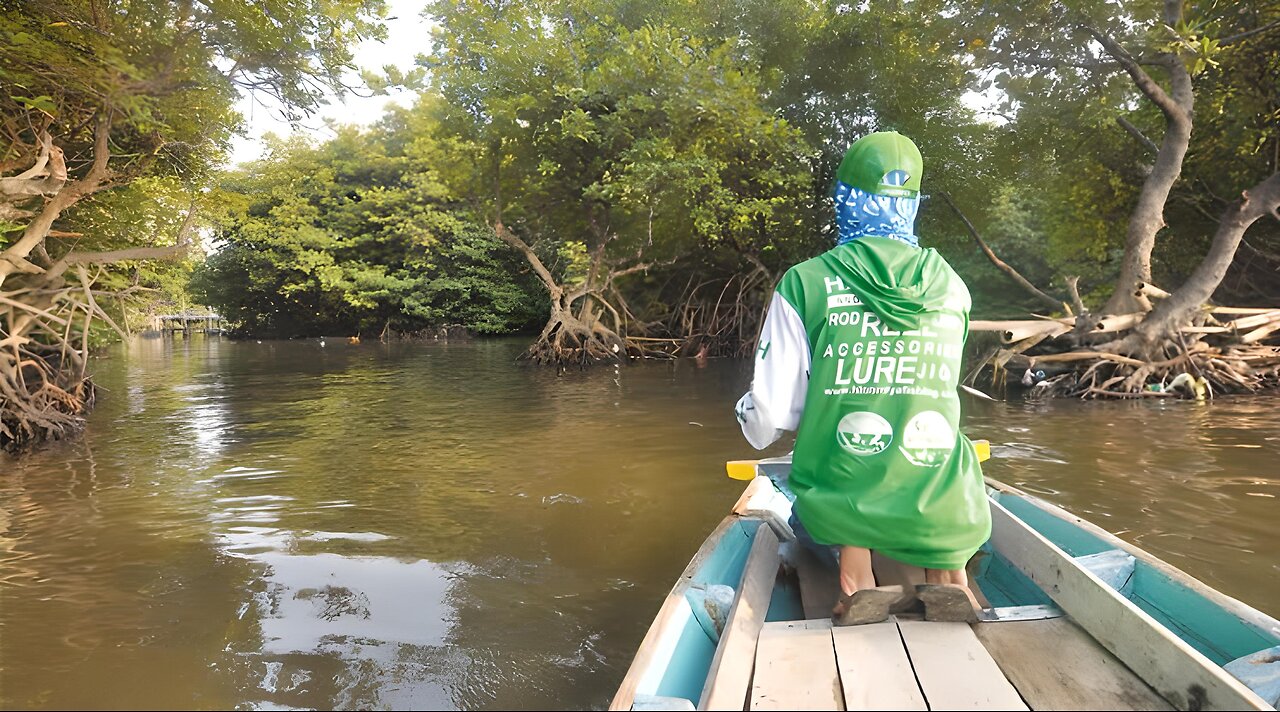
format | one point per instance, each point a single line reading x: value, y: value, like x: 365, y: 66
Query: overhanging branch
x: 999, y: 263
x: 1146, y: 84
x: 1248, y: 33
x: 523, y: 248
x: 1057, y: 62
x: 13, y: 258
x: 183, y: 243
x: 46, y: 176
x: 1137, y: 134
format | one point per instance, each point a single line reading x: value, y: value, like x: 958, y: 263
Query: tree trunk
x: 1176, y: 311
x: 44, y: 321
x: 44, y: 390
x: 14, y: 258
x: 1177, y: 104
x: 568, y: 337
x: 1148, y: 217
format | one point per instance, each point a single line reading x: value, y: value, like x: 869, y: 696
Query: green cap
x: 868, y: 163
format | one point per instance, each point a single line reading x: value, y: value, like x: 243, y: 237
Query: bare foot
x: 868, y: 605
x: 948, y: 602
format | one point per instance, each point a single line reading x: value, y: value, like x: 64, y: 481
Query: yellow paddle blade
x: 983, y: 448
x: 741, y: 469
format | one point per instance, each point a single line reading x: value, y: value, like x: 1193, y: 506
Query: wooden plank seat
x: 915, y: 665
x: 954, y: 670
x: 875, y: 670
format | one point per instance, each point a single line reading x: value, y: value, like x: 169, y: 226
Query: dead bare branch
x: 999, y: 263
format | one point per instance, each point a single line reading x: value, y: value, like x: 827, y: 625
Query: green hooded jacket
x: 879, y: 459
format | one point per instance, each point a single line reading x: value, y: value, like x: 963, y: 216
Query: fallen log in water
x: 1226, y: 350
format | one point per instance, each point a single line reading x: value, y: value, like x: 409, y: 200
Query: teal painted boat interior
x: 785, y: 604
x: 1003, y: 584
x: 691, y: 660
x: 1205, y: 626
x: 687, y: 672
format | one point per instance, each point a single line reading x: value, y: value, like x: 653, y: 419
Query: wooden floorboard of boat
x: 1055, y: 665
x: 875, y: 672
x: 1049, y: 664
x: 954, y: 670
x: 796, y: 668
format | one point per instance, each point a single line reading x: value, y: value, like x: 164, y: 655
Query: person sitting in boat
x: 860, y: 355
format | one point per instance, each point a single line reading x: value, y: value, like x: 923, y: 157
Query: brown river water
x: 288, y: 525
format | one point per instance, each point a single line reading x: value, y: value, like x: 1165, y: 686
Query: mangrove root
x: 44, y: 343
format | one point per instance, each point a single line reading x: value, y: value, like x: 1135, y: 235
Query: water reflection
x: 305, y: 614
x: 429, y: 526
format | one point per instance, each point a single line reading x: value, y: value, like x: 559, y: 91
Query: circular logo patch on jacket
x: 864, y: 433
x: 928, y: 439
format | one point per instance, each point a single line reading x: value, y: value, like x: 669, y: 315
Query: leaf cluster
x: 356, y: 235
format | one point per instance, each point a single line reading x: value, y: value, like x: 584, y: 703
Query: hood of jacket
x: 897, y: 281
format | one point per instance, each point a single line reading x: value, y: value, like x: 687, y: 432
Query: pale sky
x: 408, y: 35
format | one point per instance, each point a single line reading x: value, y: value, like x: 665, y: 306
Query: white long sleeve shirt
x: 776, y: 399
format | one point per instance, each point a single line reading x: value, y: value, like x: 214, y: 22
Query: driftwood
x: 1018, y: 330
x: 1227, y: 350
x: 1150, y: 291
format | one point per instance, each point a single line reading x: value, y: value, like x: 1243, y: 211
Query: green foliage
x: 168, y: 72
x: 356, y: 235
x: 606, y: 132
x: 1081, y: 172
x: 697, y: 136
x: 615, y: 140
x: 161, y: 78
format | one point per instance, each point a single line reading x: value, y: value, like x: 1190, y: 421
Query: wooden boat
x: 1074, y: 618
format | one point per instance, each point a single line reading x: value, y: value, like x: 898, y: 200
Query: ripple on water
x: 561, y: 498
x: 1027, y: 451
x: 279, y: 526
x: 344, y: 536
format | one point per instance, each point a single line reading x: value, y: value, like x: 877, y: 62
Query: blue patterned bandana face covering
x: 860, y: 214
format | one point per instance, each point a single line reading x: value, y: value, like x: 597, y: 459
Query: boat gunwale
x: 1241, y: 610
x: 624, y: 698
x: 1152, y: 650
